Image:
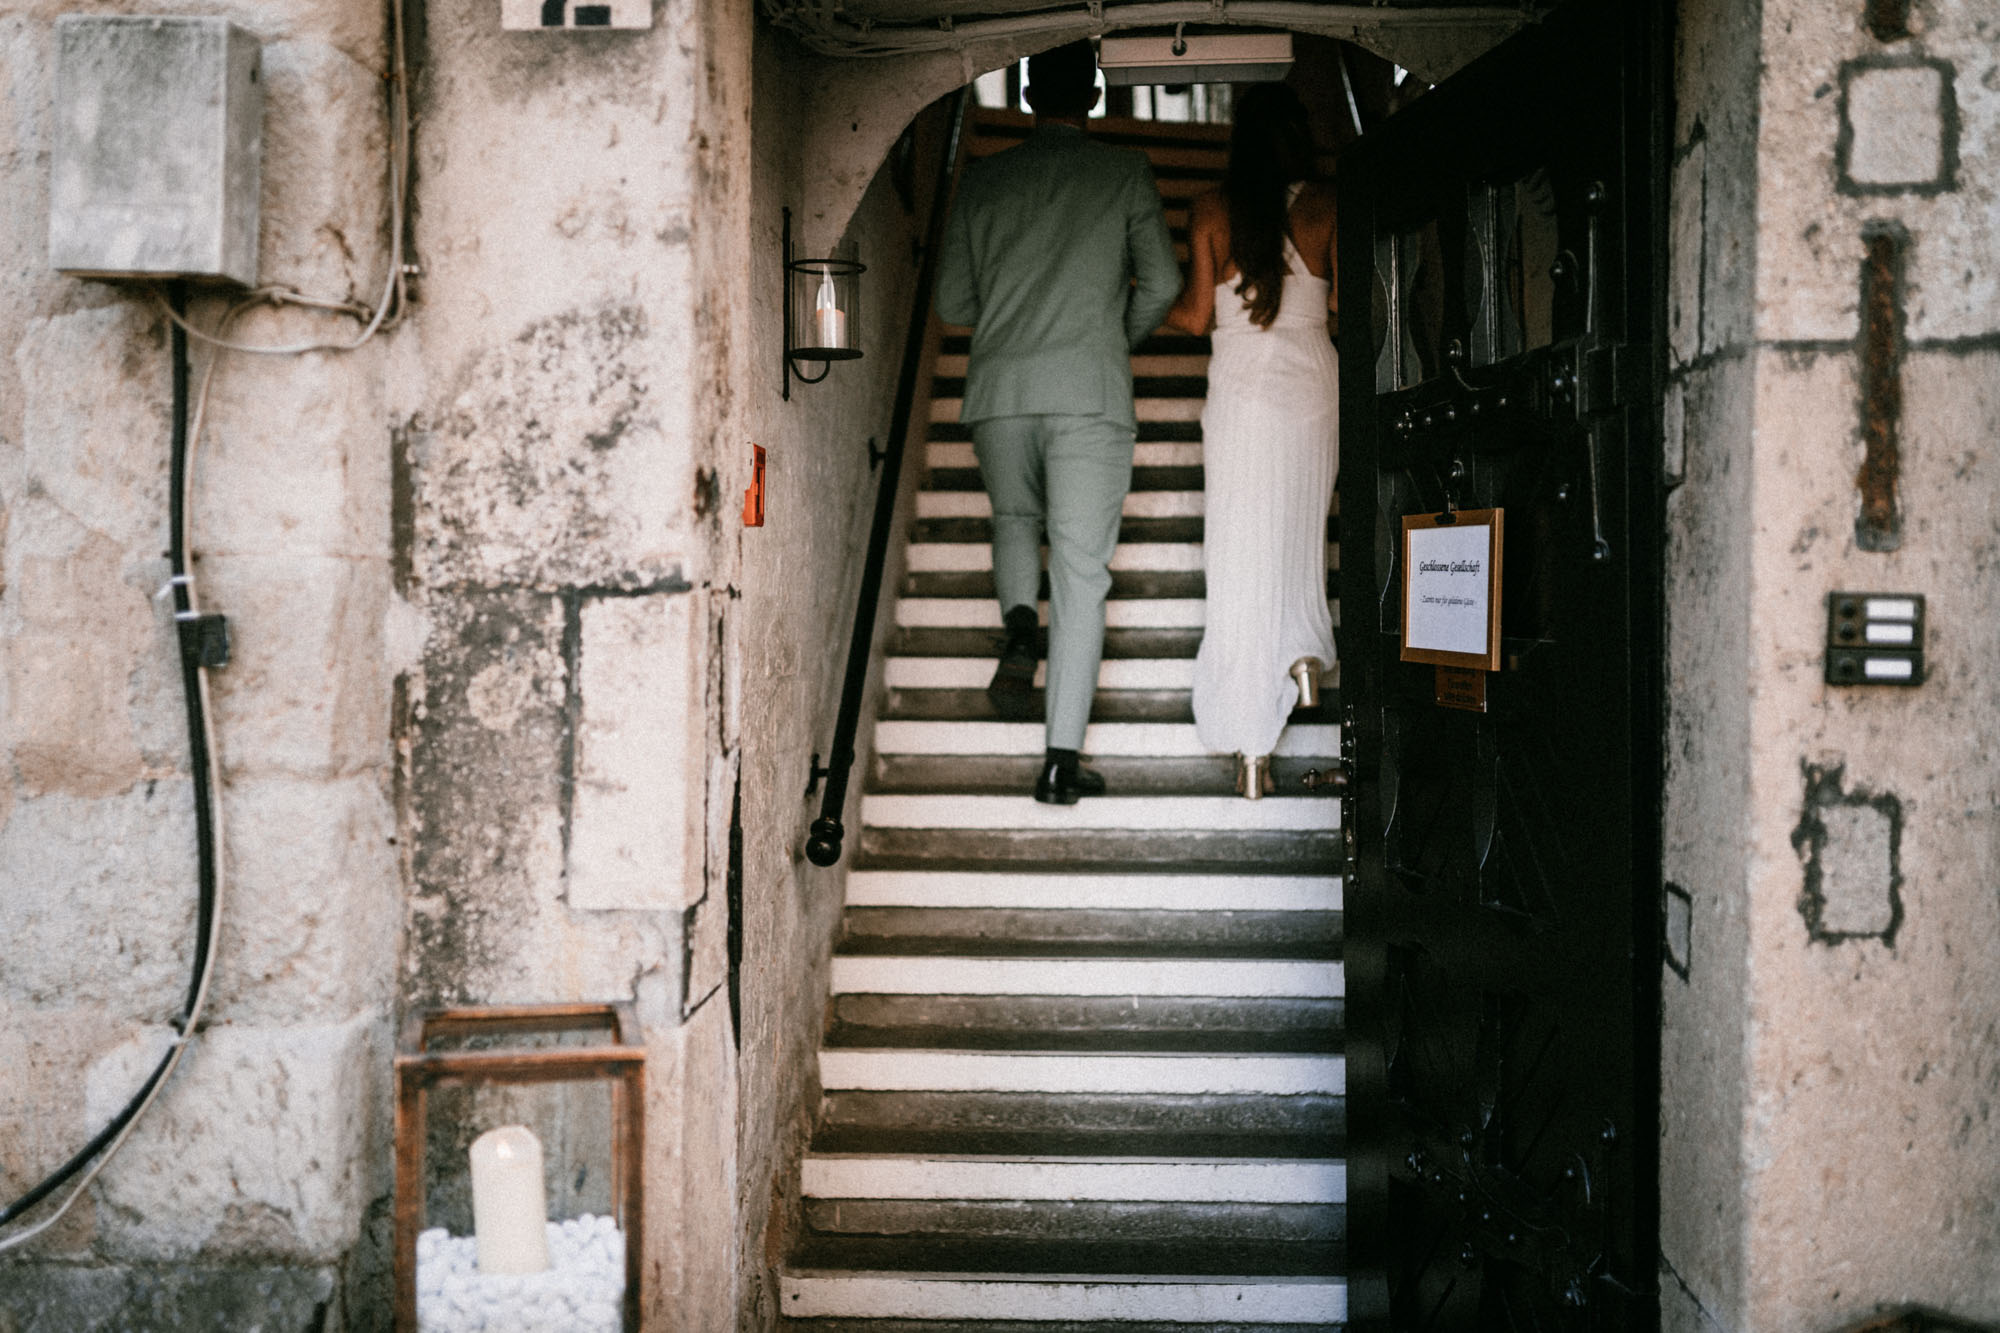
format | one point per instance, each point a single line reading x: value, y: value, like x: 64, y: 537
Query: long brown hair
x: 1270, y: 147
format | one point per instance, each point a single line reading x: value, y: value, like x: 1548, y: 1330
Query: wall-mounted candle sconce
x: 822, y: 312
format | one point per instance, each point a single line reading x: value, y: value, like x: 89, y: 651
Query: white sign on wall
x: 548, y: 14
x: 1451, y: 588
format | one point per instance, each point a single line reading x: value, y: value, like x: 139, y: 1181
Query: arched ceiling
x: 876, y: 63
x: 1432, y: 38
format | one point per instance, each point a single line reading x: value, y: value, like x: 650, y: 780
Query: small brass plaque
x: 1461, y: 687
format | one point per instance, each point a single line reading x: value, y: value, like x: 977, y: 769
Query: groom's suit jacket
x: 1040, y: 257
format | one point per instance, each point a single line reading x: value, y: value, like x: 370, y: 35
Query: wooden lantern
x: 620, y: 1058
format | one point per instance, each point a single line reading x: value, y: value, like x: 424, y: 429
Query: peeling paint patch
x: 530, y: 476
x: 1850, y: 846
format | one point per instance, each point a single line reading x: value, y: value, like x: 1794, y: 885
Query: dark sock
x: 1063, y: 759
x: 1021, y: 620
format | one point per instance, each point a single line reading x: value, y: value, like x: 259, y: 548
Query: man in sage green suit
x: 1057, y: 255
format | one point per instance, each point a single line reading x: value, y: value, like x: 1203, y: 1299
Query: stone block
x: 306, y: 692
x: 259, y: 1144
x: 313, y: 920
x: 86, y: 650
x: 95, y: 418
x: 325, y: 175
x: 1898, y: 127
x: 1684, y: 252
x: 1857, y: 871
x: 637, y: 739
x: 1673, y: 447
x: 554, y: 465
x: 99, y: 906
x: 295, y: 453
x: 61, y: 1298
x: 487, y: 796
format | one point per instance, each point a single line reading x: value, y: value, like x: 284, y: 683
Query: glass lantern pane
x: 826, y: 322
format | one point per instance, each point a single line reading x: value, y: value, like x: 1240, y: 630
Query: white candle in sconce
x: 509, y: 1210
x: 830, y: 318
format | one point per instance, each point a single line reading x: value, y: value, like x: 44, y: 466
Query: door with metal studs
x: 1498, y: 252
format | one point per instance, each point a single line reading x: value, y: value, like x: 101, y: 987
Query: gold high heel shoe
x: 1253, y: 776
x: 1307, y: 671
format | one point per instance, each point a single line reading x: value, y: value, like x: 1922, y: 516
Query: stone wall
x: 504, y: 654
x: 1831, y: 1052
x: 249, y: 1184
x: 800, y: 576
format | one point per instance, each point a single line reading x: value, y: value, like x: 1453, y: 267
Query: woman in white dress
x: 1262, y: 280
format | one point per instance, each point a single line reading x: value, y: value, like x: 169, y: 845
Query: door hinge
x: 1604, y: 374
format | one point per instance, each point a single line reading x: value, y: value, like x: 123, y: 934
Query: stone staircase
x: 1082, y: 1067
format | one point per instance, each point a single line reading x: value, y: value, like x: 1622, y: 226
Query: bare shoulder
x: 1317, y: 200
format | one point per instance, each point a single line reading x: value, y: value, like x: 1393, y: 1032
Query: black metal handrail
x: 823, y: 845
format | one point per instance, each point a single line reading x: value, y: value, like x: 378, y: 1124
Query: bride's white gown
x: 1270, y: 447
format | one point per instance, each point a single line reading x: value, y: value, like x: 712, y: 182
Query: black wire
x: 198, y: 757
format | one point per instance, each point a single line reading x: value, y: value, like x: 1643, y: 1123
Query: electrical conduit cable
x: 193, y: 629
x: 190, y: 630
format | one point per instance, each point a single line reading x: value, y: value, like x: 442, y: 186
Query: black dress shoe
x: 1012, y: 690
x: 1059, y: 785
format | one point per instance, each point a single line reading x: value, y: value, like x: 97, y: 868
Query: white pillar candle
x: 832, y: 320
x: 509, y: 1212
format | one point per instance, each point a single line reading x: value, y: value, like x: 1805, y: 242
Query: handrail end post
x: 823, y: 845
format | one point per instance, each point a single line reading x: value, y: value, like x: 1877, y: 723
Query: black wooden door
x: 1498, y: 255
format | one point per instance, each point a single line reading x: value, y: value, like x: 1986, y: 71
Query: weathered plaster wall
x: 1846, y: 944
x: 564, y: 559
x: 1709, y: 441
x: 244, y: 1192
x: 799, y: 576
x: 607, y: 652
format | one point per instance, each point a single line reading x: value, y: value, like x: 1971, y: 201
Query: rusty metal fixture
x: 1879, y: 525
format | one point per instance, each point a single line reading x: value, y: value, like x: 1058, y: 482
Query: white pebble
x: 580, y: 1293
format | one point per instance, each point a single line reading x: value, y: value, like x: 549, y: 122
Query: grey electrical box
x: 159, y: 145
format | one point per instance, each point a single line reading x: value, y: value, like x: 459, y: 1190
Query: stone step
x: 972, y: 673
x: 1161, y: 342
x: 1176, y: 365
x: 1149, y: 455
x: 1200, y: 852
x: 947, y: 402
x: 1133, y: 1116
x: 1166, y: 706
x: 1128, y: 1221
x: 1165, y: 893
x: 1135, y: 1024
x: 982, y: 736
x: 834, y: 1325
x: 1119, y: 643
x: 1149, y: 383
x: 1121, y: 1177
x: 947, y: 557
x: 965, y: 811
x: 1138, y: 504
x: 993, y: 969
x: 984, y: 612
x: 978, y: 528
x: 1071, y: 931
x: 1196, y: 1249
x: 1148, y: 430
x: 1216, y: 1302
x: 1125, y: 584
x: 1174, y: 478
x: 1184, y: 1073
x: 1003, y: 775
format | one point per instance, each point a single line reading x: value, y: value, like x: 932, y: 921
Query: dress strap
x: 1294, y: 261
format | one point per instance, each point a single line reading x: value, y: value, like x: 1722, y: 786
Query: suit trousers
x: 1066, y: 476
